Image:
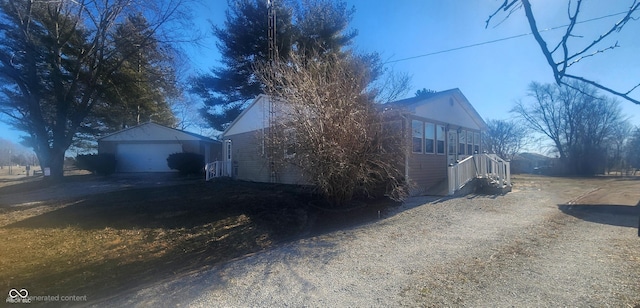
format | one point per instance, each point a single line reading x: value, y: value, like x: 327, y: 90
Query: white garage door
x: 145, y: 157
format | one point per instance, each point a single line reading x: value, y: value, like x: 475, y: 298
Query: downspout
x: 406, y: 152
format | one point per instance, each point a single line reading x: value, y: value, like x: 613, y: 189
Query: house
x: 444, y: 130
x: 244, y: 156
x: 145, y: 147
x: 530, y: 163
x: 443, y: 127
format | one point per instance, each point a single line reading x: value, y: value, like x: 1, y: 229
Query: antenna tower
x: 273, y: 58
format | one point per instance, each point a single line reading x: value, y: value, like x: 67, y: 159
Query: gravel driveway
x: 525, y: 248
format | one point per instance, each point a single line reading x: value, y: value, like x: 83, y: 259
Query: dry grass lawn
x: 102, y: 244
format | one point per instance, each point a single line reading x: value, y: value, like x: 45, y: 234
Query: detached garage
x: 145, y: 147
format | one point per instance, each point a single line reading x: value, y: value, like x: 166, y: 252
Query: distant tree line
x: 13, y: 154
x: 588, y: 133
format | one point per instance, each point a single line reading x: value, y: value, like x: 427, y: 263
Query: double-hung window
x: 417, y: 128
x: 462, y: 140
x: 429, y: 137
x: 440, y: 139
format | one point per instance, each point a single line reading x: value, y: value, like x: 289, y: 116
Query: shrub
x: 186, y: 163
x: 103, y: 164
x: 327, y: 116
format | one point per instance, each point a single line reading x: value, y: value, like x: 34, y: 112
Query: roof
x: 418, y: 99
x: 249, y: 109
x: 154, y: 132
x: 432, y: 106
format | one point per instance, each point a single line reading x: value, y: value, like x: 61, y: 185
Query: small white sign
x: 47, y: 171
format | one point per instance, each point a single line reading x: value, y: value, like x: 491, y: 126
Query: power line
x: 498, y: 40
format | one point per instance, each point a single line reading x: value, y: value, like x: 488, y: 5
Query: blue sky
x: 492, y: 76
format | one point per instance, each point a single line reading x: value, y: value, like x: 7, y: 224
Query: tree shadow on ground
x: 615, y: 215
x: 179, y: 206
x: 141, y: 236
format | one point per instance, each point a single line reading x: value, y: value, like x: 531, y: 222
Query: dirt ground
x: 95, y: 236
x: 551, y: 242
x: 104, y: 236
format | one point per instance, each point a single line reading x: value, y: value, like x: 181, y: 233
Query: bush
x: 103, y: 164
x: 186, y: 163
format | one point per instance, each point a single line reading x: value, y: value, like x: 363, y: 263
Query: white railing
x: 492, y: 167
x: 461, y: 173
x: 217, y: 169
x: 488, y: 166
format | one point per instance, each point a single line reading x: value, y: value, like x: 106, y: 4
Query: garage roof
x: 154, y: 132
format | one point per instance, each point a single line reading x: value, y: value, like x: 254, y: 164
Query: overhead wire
x: 498, y: 40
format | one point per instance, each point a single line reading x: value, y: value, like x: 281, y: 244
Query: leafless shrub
x: 329, y: 127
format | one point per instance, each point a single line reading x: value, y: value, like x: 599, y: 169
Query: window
x: 476, y: 142
x: 469, y: 142
x: 417, y: 133
x: 440, y: 139
x: 228, y: 154
x: 290, y: 143
x: 429, y: 137
x: 462, y: 139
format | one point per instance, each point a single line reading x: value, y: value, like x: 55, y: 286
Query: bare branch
x: 593, y: 54
x: 565, y: 39
x: 541, y: 42
x: 617, y: 27
x: 504, y: 7
x: 601, y: 87
x: 559, y: 69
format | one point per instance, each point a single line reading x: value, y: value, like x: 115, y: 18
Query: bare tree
x: 13, y: 153
x: 576, y: 119
x: 562, y: 55
x: 331, y: 129
x: 632, y: 150
x: 394, y: 85
x: 504, y: 138
x: 615, y: 144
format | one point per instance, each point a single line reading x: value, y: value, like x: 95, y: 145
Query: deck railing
x: 461, y: 173
x: 488, y: 166
x: 494, y: 168
x: 217, y: 169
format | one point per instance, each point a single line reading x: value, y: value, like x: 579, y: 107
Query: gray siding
x: 426, y: 170
x: 250, y: 164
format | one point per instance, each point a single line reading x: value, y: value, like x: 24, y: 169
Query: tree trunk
x: 57, y: 165
x: 52, y: 159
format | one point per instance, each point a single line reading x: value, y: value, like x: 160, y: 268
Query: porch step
x: 492, y: 187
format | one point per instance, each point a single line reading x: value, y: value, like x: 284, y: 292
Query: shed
x: 145, y: 147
